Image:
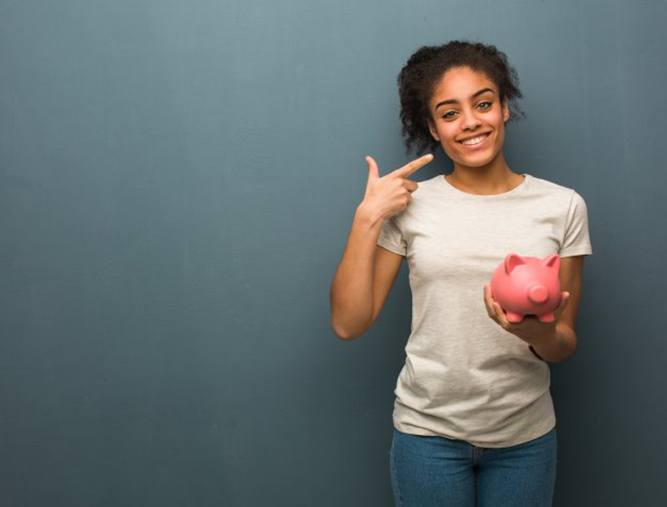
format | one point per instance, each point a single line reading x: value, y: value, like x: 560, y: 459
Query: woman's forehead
x: 459, y: 80
x: 461, y: 85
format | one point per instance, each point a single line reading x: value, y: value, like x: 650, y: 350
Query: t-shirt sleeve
x: 576, y: 238
x: 391, y: 237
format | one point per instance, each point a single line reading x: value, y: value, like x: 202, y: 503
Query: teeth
x: 474, y: 140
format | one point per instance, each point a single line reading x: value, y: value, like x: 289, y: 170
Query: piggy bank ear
x: 552, y: 262
x: 512, y: 261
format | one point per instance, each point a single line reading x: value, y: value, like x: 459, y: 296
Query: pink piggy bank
x: 527, y: 286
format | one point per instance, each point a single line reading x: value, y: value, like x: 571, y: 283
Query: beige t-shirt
x: 464, y: 376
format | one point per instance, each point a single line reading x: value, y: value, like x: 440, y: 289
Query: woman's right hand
x: 390, y: 194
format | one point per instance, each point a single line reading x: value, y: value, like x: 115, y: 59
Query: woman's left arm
x: 552, y: 342
x: 564, y: 343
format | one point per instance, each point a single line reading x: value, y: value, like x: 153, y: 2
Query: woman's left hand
x: 530, y: 329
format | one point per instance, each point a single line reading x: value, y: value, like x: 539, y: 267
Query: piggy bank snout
x: 538, y: 294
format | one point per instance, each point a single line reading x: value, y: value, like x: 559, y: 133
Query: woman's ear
x: 506, y: 111
x: 431, y: 128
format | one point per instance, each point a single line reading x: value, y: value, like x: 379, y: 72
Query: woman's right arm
x: 363, y: 279
x: 366, y: 272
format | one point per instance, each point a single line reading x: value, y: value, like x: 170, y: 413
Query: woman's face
x: 465, y: 104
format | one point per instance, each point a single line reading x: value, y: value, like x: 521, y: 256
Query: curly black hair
x: 424, y: 69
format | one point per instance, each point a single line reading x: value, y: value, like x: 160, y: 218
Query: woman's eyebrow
x: 454, y: 101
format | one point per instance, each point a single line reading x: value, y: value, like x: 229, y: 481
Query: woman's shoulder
x: 546, y: 186
x: 427, y: 187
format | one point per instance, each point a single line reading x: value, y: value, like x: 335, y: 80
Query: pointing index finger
x: 411, y: 167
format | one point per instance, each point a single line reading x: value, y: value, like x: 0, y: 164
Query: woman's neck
x: 495, y: 178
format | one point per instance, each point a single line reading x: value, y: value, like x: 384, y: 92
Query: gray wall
x: 177, y: 181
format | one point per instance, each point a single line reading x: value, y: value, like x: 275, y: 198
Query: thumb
x: 373, y: 171
x: 564, y: 300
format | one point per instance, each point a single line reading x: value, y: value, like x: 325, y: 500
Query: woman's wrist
x: 367, y: 215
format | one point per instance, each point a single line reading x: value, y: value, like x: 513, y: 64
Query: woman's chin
x: 474, y: 161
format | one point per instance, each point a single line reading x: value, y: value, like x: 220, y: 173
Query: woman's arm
x: 363, y: 279
x: 351, y: 293
x: 564, y: 343
x: 367, y: 271
x: 552, y: 342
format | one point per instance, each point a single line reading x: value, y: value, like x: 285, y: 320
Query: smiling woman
x: 474, y: 389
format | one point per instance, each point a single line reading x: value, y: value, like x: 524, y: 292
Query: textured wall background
x: 177, y: 181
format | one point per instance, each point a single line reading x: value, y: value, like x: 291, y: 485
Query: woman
x: 474, y: 421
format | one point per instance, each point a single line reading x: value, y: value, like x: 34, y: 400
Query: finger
x: 411, y: 167
x: 494, y: 309
x: 487, y: 301
x: 410, y: 186
x: 500, y: 314
x: 487, y: 297
x: 373, y: 170
x: 565, y: 298
x: 491, y: 305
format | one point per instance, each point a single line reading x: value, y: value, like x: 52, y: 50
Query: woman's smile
x: 476, y: 143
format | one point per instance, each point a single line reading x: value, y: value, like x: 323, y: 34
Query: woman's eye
x: 449, y: 114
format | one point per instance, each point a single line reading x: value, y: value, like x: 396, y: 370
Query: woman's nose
x: 470, y: 121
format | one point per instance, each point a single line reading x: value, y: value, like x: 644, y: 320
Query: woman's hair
x: 425, y: 67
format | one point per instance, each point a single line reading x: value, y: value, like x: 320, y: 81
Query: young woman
x: 474, y: 422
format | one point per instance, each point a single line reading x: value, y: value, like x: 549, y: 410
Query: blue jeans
x: 437, y: 471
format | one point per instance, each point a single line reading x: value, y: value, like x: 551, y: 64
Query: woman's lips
x: 478, y: 145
